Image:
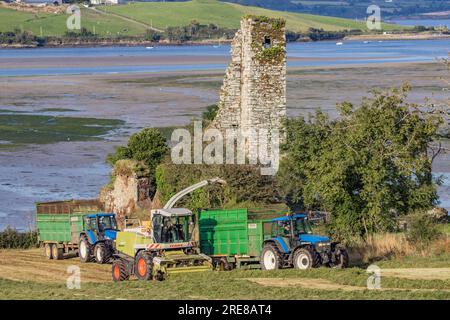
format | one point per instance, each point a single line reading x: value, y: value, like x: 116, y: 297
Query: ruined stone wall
x: 128, y: 193
x: 253, y: 95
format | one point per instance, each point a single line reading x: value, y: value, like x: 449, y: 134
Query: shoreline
x: 113, y: 43
x: 126, y: 43
x: 400, y: 36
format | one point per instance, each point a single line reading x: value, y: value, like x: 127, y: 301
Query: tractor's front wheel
x: 102, y: 253
x: 119, y: 271
x: 341, y: 258
x: 270, y: 258
x: 143, y: 266
x: 84, y: 249
x: 305, y: 258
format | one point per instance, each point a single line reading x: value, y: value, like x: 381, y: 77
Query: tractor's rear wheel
x: 341, y: 258
x: 271, y: 258
x: 57, y: 253
x: 48, y: 250
x: 102, y: 253
x: 119, y: 271
x: 143, y: 266
x: 85, y: 249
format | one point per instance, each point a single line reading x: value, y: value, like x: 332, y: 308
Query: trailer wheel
x: 48, y: 250
x: 143, y: 266
x: 119, y: 271
x: 57, y: 253
x: 305, y: 258
x: 224, y: 265
x: 102, y: 253
x: 270, y: 258
x: 84, y: 249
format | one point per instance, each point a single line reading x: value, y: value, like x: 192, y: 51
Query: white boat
x: 366, y: 42
x: 339, y: 43
x: 149, y: 47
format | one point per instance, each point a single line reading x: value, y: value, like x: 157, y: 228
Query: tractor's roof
x: 173, y: 212
x: 100, y: 214
x: 289, y: 217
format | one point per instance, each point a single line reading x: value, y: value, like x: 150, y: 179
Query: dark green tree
x: 365, y: 168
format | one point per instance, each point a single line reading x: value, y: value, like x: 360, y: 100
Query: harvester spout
x: 170, y: 204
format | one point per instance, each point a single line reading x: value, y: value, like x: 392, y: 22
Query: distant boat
x: 339, y: 43
x: 149, y: 47
x: 366, y: 42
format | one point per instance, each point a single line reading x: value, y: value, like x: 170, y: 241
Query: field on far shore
x: 27, y: 274
x: 133, y: 19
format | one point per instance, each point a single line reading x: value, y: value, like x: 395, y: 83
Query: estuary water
x: 308, y: 54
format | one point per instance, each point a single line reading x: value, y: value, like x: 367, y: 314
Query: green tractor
x: 163, y: 245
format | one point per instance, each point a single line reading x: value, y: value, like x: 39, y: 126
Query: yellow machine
x: 164, y: 245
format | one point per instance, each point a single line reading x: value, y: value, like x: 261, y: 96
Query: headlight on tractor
x: 323, y: 246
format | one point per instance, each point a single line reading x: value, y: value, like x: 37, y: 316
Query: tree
x: 148, y: 146
x: 365, y: 168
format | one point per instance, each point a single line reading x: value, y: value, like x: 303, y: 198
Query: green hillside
x: 164, y: 14
x: 134, y: 18
x: 55, y: 24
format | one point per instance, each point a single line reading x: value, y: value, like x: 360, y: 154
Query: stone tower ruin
x: 253, y: 94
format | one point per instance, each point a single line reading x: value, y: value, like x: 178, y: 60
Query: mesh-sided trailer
x: 60, y: 223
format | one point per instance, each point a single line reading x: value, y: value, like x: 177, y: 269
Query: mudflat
x: 68, y: 169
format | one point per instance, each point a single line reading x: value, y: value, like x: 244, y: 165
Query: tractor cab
x: 101, y: 226
x: 172, y: 225
x: 295, y: 229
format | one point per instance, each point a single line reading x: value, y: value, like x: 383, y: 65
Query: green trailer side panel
x: 59, y: 227
x: 223, y: 232
x: 255, y: 237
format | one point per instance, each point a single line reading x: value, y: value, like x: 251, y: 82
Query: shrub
x: 152, y: 35
x: 422, y: 230
x: 127, y: 167
x: 245, y: 185
x: 148, y: 146
x: 210, y: 114
x: 12, y: 239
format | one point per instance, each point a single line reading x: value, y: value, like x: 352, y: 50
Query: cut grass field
x: 27, y: 274
x: 162, y: 15
x: 20, y: 128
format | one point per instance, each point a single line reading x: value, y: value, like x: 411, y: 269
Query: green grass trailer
x: 231, y: 238
x: 60, y: 223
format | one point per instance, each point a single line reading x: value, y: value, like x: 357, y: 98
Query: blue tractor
x: 97, y: 239
x: 293, y: 244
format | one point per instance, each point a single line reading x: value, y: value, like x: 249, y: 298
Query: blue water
x: 317, y: 53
